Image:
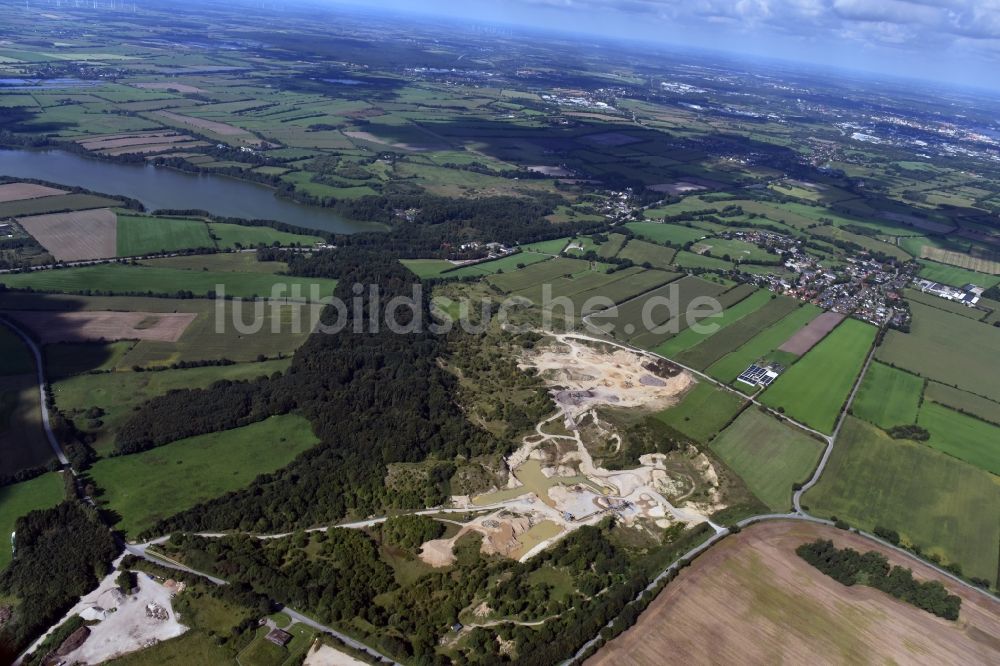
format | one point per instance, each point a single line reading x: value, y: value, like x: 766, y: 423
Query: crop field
x: 21, y: 498
x: 642, y: 253
x: 814, y: 389
x: 508, y: 264
x: 222, y: 262
x: 22, y: 191
x: 729, y: 317
x: 58, y: 203
x: 763, y: 346
x: 548, y: 247
x: 955, y: 276
x: 888, y: 397
x: 864, y: 241
x: 17, y: 358
x: 117, y: 393
x: 737, y: 250
x: 270, y: 329
x: 148, y: 486
x: 53, y: 327
x: 963, y: 401
x: 943, y: 304
x: 703, y: 411
x: 139, y: 235
x: 612, y: 246
x: 738, y: 332
x: 664, y: 308
x: 964, y: 437
x: 22, y: 440
x: 931, y: 499
x: 961, y: 259
x: 674, y: 234
x: 581, y: 287
x: 687, y: 259
x: 121, y: 278
x: 753, y: 585
x: 768, y: 455
x: 427, y: 268
x: 811, y: 333
x: 547, y: 270
x: 80, y: 235
x: 930, y: 350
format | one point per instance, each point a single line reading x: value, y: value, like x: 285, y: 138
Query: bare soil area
x: 126, y: 623
x: 324, y: 655
x: 22, y: 191
x: 807, y: 336
x: 585, y: 376
x: 51, y: 327
x: 77, y: 235
x: 751, y: 600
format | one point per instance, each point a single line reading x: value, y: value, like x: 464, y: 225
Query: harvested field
x: 150, y: 149
x: 52, y: 327
x: 58, y: 203
x: 144, y: 138
x: 21, y: 191
x: 222, y: 129
x: 368, y: 136
x: 962, y: 260
x: 752, y: 600
x: 86, y: 234
x: 807, y: 336
x: 166, y: 85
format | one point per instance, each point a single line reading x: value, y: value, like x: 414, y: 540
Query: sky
x: 956, y: 41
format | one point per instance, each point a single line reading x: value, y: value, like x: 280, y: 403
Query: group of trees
x: 408, y: 532
x: 850, y: 567
x: 60, y: 554
x: 373, y: 398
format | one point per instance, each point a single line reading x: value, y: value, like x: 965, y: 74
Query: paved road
x: 797, y: 495
x: 40, y: 370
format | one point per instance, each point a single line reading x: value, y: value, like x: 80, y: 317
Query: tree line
x: 849, y: 567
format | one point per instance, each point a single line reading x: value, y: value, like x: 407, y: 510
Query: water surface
x: 158, y: 187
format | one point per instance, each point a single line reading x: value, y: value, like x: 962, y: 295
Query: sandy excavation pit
x: 583, y: 376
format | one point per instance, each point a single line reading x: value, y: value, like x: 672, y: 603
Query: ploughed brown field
x: 22, y: 191
x: 751, y: 600
x: 136, y: 140
x: 75, y: 236
x: 807, y: 336
x: 51, y: 327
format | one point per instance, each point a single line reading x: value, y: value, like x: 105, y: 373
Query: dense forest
x: 850, y: 567
x: 373, y: 398
x: 60, y: 554
x: 340, y: 578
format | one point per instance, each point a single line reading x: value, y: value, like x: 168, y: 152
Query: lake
x: 160, y: 188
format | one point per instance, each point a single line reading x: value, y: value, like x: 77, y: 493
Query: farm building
x: 757, y: 375
x: 279, y: 637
